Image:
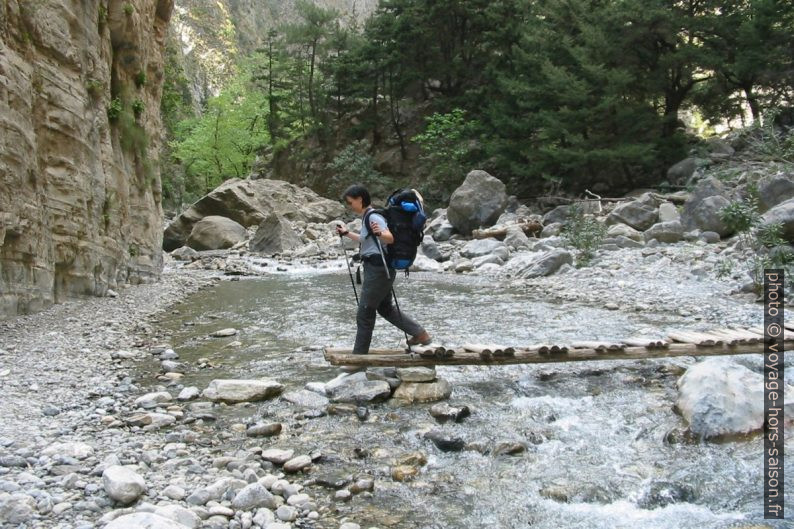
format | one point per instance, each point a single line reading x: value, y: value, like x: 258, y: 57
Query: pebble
x: 297, y: 464
x: 286, y: 513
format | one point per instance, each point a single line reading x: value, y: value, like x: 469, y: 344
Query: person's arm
x: 379, y: 229
x: 344, y: 232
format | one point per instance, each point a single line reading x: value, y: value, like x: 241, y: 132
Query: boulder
x: 551, y: 230
x: 416, y: 374
x: 445, y: 441
x: 16, y: 509
x: 358, y: 391
x: 277, y: 456
x: 152, y: 400
x: 490, y: 259
x: 669, y: 232
x: 443, y: 412
x: 296, y: 464
x: 249, y: 202
x: 637, y: 214
x: 619, y: 229
x: 784, y: 214
x: 232, y: 391
x: 480, y: 247
x: 706, y: 216
x: 624, y: 242
x: 444, y: 232
x: 682, y: 171
x: 691, y: 218
x: 529, y: 265
x: 516, y: 238
x: 720, y: 147
x: 254, y: 496
x: 216, y: 233
x: 775, y: 189
x: 430, y: 249
x: 123, y: 484
x: 556, y: 215
x: 185, y: 253
x: 274, y: 235
x: 306, y: 399
x: 180, y: 515
x: 477, y: 203
x: 424, y: 391
x: 425, y: 264
x: 668, y: 212
x: 719, y: 397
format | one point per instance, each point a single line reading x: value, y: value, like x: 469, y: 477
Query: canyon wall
x: 80, y: 133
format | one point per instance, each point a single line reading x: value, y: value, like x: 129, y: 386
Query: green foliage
x: 138, y: 107
x: 107, y: 209
x: 444, y: 145
x: 741, y: 215
x: 129, y: 9
x: 114, y: 109
x: 767, y: 247
x: 140, y: 79
x: 765, y: 142
x: 222, y: 142
x: 94, y: 87
x: 102, y: 16
x: 354, y: 164
x: 584, y: 233
x: 133, y: 136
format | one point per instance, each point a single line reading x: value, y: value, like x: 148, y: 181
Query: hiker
x: 376, y: 292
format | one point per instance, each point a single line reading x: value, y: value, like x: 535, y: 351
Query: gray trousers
x: 375, y: 298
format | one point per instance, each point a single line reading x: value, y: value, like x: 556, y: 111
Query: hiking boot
x: 420, y: 339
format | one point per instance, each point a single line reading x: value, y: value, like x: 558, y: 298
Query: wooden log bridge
x: 726, y: 341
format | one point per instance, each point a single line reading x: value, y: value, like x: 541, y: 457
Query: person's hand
x: 375, y: 229
x: 341, y: 230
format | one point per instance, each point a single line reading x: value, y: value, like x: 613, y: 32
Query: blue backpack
x: 405, y: 217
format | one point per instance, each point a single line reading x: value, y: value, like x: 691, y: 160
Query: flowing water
x: 595, y: 431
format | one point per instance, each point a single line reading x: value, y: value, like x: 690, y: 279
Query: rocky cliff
x: 208, y: 36
x: 80, y: 85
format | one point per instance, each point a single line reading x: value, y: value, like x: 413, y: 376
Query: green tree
x: 566, y: 108
x: 222, y: 143
x: 751, y: 44
x: 444, y: 145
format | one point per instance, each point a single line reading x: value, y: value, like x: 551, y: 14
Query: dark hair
x: 358, y: 191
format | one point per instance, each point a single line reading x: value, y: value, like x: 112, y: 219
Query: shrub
x: 138, y: 108
x: 765, y: 242
x: 114, y: 109
x: 129, y: 9
x: 140, y: 79
x: 444, y: 145
x: 354, y: 163
x: 584, y: 233
x: 94, y: 87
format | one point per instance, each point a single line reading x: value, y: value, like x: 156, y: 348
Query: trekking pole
x: 385, y: 267
x: 349, y: 270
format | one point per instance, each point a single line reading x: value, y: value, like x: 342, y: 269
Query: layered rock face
x: 80, y: 87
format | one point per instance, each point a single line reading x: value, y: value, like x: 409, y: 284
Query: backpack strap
x: 365, y: 220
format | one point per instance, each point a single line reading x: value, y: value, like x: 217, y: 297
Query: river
x: 595, y: 432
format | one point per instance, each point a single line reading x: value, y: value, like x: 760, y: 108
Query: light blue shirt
x: 368, y: 245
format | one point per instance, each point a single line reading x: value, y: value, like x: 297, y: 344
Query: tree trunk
x: 752, y: 100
